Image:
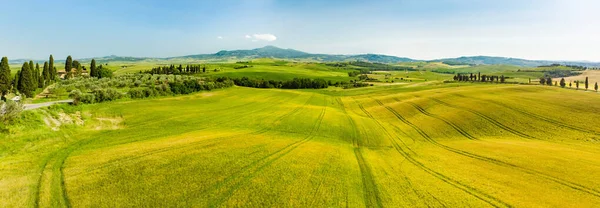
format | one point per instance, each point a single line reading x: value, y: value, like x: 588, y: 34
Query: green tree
x: 93, y: 70
x: 104, y: 72
x: 577, y: 84
x: 52, y: 71
x: 4, y: 77
x: 46, y: 74
x: 542, y: 81
x: 549, y: 81
x: 32, y: 68
x: 41, y: 81
x: 68, y: 66
x: 562, y: 82
x: 77, y: 67
x: 596, y: 86
x: 571, y: 84
x: 26, y: 82
x: 36, y: 75
x: 586, y: 83
x: 16, y: 81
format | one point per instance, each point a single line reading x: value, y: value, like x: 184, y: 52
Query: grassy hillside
x: 419, y: 144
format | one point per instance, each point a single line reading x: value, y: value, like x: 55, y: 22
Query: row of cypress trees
x: 28, y: 79
x: 31, y: 77
x: 586, y: 84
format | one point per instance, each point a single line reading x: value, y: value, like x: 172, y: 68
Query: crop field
x: 402, y: 146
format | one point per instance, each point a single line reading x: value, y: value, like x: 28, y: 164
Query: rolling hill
x: 295, y: 55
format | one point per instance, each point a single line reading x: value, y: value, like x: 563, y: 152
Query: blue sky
x: 533, y: 29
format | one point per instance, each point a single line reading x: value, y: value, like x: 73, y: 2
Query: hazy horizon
x: 533, y: 29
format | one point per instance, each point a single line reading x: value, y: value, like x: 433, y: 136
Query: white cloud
x: 219, y: 37
x: 262, y: 37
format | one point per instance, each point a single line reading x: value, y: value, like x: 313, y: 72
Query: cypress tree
x: 16, y: 81
x: 52, y: 71
x: 68, y: 65
x: 32, y: 71
x: 596, y: 87
x: 93, y: 71
x: 4, y: 77
x: 46, y: 73
x: 571, y: 84
x: 586, y: 83
x: 577, y: 84
x: 26, y: 84
x: 41, y: 82
x: 77, y: 67
x: 562, y: 82
x: 36, y: 75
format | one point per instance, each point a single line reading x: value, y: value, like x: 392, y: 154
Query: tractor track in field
x: 246, y: 173
x: 362, y: 108
x: 202, y: 143
x: 543, y: 118
x: 59, y: 176
x: 38, y: 186
x: 369, y: 115
x: 522, y: 169
x: 371, y: 193
x: 487, y: 118
x: 569, y: 184
x: 457, y: 184
x: 58, y: 188
x: 454, y: 126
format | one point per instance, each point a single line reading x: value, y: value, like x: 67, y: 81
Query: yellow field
x: 389, y: 146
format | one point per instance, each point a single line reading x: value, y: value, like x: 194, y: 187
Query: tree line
x: 296, y: 83
x: 172, y: 69
x: 478, y: 77
x: 135, y: 86
x: 31, y: 77
x: 28, y: 79
x: 563, y: 83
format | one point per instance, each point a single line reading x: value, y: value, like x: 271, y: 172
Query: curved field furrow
x: 371, y: 193
x: 241, y: 177
x: 58, y: 190
x: 470, y: 190
x: 487, y: 118
x: 454, y: 126
x: 362, y: 108
x: 38, y: 185
x: 549, y: 120
x: 525, y: 170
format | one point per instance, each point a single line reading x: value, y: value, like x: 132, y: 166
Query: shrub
x: 9, y: 112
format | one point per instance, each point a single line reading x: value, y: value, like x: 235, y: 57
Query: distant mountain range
x: 291, y: 54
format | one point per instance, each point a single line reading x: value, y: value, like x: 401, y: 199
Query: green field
x: 413, y: 145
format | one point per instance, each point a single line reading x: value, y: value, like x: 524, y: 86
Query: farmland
x: 418, y: 144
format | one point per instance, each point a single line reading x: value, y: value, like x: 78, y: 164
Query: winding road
x: 46, y: 104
